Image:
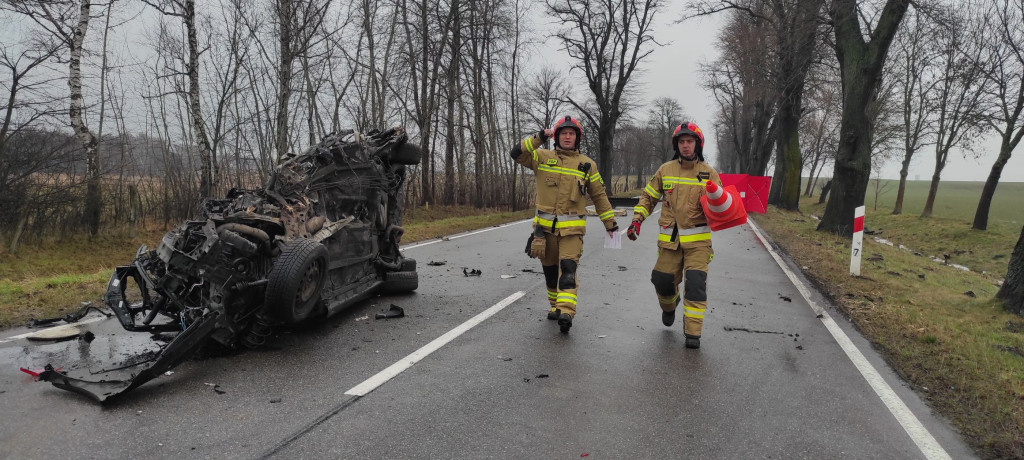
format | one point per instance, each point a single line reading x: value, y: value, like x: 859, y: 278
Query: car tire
x: 406, y: 154
x: 296, y: 280
x: 400, y: 282
x: 408, y: 265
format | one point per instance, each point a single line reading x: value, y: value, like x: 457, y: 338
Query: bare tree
x: 607, y: 40
x: 297, y: 24
x: 1006, y: 76
x: 452, y: 74
x: 794, y: 27
x: 914, y: 65
x: 548, y: 88
x: 28, y: 96
x: 862, y: 55
x: 186, y: 11
x: 745, y: 94
x: 961, y: 90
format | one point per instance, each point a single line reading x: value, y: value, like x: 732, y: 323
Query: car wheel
x: 407, y: 154
x: 400, y: 282
x: 296, y: 280
x: 408, y: 265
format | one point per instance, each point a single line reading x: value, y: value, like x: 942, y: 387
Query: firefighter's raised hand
x: 548, y: 132
x: 633, y: 231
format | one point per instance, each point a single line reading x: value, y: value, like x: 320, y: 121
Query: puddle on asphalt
x: 109, y: 355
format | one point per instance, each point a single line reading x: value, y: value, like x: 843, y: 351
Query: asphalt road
x: 779, y: 374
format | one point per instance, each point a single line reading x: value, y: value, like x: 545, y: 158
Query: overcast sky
x: 672, y: 70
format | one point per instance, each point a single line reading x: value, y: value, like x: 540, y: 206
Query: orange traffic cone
x: 723, y: 207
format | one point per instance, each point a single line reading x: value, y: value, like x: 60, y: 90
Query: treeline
x: 174, y: 100
x: 805, y: 84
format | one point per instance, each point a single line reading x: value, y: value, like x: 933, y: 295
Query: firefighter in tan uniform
x: 684, y: 239
x: 565, y: 178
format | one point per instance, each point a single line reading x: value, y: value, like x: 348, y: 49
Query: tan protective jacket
x: 680, y: 184
x: 564, y: 178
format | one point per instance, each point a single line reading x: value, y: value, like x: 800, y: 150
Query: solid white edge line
x: 917, y: 432
x: 21, y: 336
x: 383, y: 376
x: 462, y: 235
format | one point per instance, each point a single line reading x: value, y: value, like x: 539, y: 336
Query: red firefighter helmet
x: 687, y: 128
x: 569, y: 122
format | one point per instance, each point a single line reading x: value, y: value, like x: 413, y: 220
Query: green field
x: 955, y: 200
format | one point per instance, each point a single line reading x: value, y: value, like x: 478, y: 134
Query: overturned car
x: 322, y: 234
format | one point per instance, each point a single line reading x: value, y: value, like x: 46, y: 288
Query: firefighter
x: 565, y: 177
x: 684, y: 239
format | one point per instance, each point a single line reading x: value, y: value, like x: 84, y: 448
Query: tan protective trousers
x: 676, y: 262
x: 559, y: 248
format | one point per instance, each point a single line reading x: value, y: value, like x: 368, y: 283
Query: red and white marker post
x: 858, y: 241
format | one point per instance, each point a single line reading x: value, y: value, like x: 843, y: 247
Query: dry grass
x: 964, y: 354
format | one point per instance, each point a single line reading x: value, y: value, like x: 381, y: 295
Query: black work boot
x: 554, y: 313
x: 692, y: 341
x: 669, y: 317
x: 564, y: 322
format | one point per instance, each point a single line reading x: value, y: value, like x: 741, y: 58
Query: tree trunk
x: 605, y: 138
x: 22, y: 222
x: 1012, y: 291
x: 207, y: 168
x: 785, y: 191
x: 448, y: 195
x: 824, y: 191
x: 933, y: 190
x: 981, y: 215
x: 285, y: 10
x: 860, y: 65
x: 93, y: 194
x: 897, y: 209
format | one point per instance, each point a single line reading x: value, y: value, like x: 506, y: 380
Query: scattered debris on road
x: 622, y: 269
x: 436, y: 264
x: 70, y: 317
x: 505, y: 277
x: 35, y: 372
x: 786, y: 298
x: 754, y: 331
x: 56, y: 334
x: 275, y: 400
x: 394, y: 312
x: 471, y: 272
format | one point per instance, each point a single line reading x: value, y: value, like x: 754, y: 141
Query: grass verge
x: 53, y: 277
x: 937, y: 326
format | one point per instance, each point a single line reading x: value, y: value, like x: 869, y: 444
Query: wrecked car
x: 322, y: 234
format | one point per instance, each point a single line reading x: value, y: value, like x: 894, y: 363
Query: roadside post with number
x: 858, y: 241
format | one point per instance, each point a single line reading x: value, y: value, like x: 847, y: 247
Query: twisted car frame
x: 323, y: 233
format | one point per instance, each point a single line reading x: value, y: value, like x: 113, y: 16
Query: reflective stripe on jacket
x: 670, y: 234
x: 679, y: 185
x: 564, y: 180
